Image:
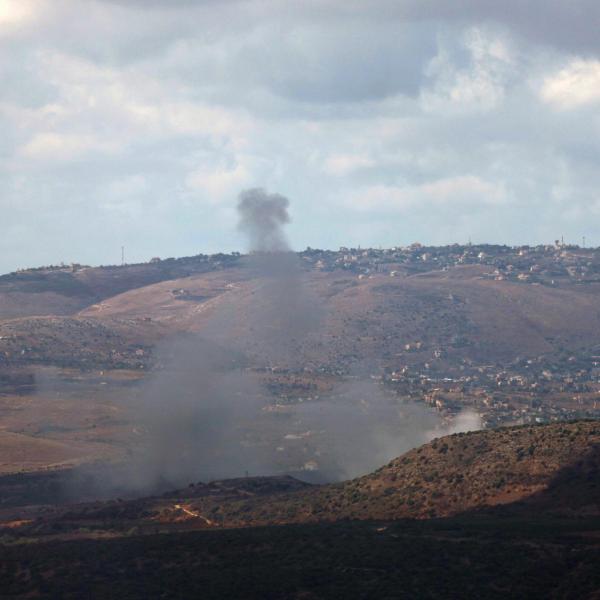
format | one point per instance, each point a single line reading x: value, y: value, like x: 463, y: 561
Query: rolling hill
x: 457, y: 314
x: 527, y: 468
x: 510, y: 348
x: 510, y: 512
x: 555, y: 465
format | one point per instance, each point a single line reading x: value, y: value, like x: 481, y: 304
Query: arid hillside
x: 473, y: 470
x: 511, y: 338
x: 550, y: 468
x: 440, y: 318
x: 556, y: 467
x: 526, y: 492
x: 65, y: 290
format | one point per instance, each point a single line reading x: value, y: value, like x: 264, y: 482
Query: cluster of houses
x: 549, y: 264
x: 545, y: 264
x: 525, y: 391
x: 535, y: 390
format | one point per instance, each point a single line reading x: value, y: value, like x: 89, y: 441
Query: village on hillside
x: 545, y: 264
x: 533, y: 389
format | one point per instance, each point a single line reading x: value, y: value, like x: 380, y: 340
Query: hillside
x: 448, y: 305
x: 75, y: 342
x: 447, y: 319
x: 510, y: 335
x: 65, y: 290
x: 451, y: 558
x: 456, y: 311
x: 556, y: 465
x: 526, y: 492
x: 473, y: 470
x: 554, y: 468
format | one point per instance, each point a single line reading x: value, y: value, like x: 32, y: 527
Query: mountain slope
x: 66, y: 290
x: 554, y: 466
x: 446, y: 317
x: 545, y: 468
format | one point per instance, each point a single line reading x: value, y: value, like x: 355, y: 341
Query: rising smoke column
x: 261, y: 218
x: 284, y: 311
x: 192, y: 408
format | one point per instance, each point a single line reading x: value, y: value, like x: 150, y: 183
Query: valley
x: 427, y: 327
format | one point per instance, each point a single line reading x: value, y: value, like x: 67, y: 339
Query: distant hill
x: 511, y: 336
x: 555, y: 465
x: 444, y: 317
x: 64, y: 290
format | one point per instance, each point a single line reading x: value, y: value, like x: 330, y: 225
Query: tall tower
x: 122, y: 256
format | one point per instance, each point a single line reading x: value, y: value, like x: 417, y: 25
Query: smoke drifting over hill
x: 200, y: 411
x: 194, y: 409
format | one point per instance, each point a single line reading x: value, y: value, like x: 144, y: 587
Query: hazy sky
x: 384, y: 122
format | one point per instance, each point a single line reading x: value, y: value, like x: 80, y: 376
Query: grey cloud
x: 388, y: 37
x: 307, y: 63
x: 314, y: 82
x: 320, y: 53
x: 169, y: 4
x: 572, y: 25
x: 349, y: 63
x: 24, y: 88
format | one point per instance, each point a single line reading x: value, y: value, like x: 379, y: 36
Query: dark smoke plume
x: 193, y: 410
x: 262, y: 216
x: 283, y: 312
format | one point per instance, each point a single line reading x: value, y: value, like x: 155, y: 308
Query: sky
x: 137, y: 123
